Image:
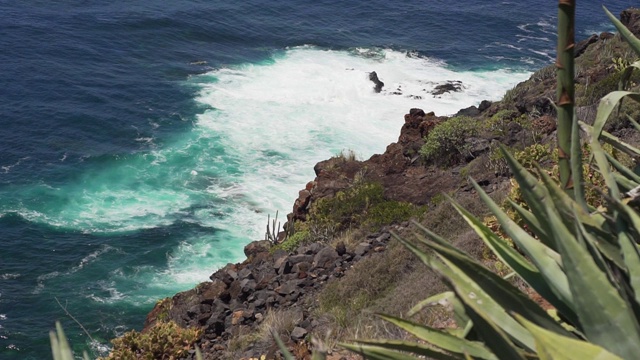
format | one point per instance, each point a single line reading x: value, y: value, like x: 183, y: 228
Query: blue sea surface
x: 142, y: 144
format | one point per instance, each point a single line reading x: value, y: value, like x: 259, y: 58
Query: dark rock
x: 341, y: 249
x: 447, y: 87
x: 282, y: 265
x: 362, y: 248
x: 471, y: 111
x: 582, y: 46
x: 373, y: 76
x: 211, y: 291
x: 606, y: 36
x: 383, y: 237
x: 245, y: 274
x: 256, y: 247
x: 484, y: 105
x: 631, y: 19
x: 298, y: 333
x: 301, y: 267
x: 477, y: 146
x: 325, y: 258
x: 294, y: 259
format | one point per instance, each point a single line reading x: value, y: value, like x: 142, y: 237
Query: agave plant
x: 583, y: 262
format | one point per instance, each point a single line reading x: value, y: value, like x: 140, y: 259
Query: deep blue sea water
x: 142, y: 144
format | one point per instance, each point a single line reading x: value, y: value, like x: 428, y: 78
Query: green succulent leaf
x: 604, y: 316
x: 441, y: 339
x: 430, y: 301
x: 392, y: 349
x: 557, y: 347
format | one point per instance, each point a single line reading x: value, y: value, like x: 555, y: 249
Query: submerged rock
x: 373, y: 76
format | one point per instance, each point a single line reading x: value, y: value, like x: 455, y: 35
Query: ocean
x: 142, y: 144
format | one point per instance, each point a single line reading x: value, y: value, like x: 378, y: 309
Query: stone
x: 383, y: 237
x: 301, y: 267
x: 325, y: 257
x: 236, y: 317
x: 341, y: 249
x: 294, y: 259
x: 362, y: 248
x: 373, y: 76
x: 282, y: 265
x: 449, y: 86
x: 256, y: 247
x: 211, y: 291
x: 298, y: 333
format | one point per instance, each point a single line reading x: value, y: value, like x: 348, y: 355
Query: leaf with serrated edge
x: 508, y: 297
x: 392, y: 348
x: 545, y: 259
x: 441, y: 339
x: 491, y: 334
x: 605, y: 317
x: 528, y: 272
x: 435, y: 299
x: 557, y: 347
x: 465, y: 285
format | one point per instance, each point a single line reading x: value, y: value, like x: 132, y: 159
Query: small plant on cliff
x: 165, y: 340
x: 447, y: 143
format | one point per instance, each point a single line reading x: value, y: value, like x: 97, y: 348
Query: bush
x: 447, y: 143
x: 363, y: 204
x: 165, y: 340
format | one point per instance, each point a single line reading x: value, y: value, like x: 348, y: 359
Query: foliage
x: 581, y: 266
x: 447, y: 141
x: 294, y: 241
x: 163, y: 335
x: 165, y: 340
x: 499, y: 123
x: 363, y: 204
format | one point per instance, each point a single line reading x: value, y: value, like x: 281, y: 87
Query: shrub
x: 447, y: 143
x: 363, y: 204
x: 165, y: 340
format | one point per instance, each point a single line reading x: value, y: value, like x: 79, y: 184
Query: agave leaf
x: 435, y: 299
x: 612, y: 140
x: 605, y: 317
x: 624, y: 32
x: 441, y: 339
x: 552, y: 346
x: 628, y: 247
x: 504, y: 294
x: 547, y: 261
x: 626, y: 75
x: 628, y: 173
x: 462, y: 284
x: 491, y: 334
x: 55, y: 346
x: 576, y: 164
x: 532, y: 191
x: 606, y: 106
x: 603, y: 166
x: 390, y: 349
x: 529, y: 273
x: 624, y: 182
x: 531, y: 221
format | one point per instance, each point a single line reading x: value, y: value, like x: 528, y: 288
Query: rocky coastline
x: 233, y: 307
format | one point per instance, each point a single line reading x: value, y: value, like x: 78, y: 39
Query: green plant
x: 361, y: 204
x: 582, y: 266
x: 165, y: 340
x: 292, y: 242
x: 447, y: 141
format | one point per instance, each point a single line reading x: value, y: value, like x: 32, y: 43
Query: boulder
x: 447, y: 87
x: 631, y: 19
x: 373, y: 76
x: 325, y: 258
x: 256, y: 247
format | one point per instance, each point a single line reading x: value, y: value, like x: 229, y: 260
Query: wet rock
x: 447, y: 87
x: 373, y: 76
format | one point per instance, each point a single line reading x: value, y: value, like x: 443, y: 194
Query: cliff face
x: 240, y: 304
